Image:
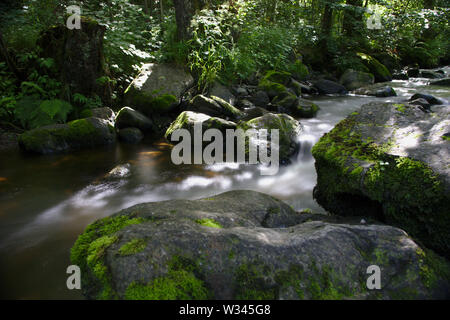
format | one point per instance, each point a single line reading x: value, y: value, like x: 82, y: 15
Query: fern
x: 33, y: 113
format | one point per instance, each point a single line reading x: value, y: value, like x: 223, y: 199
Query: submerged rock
x: 77, y: 134
x: 391, y: 161
x: 247, y: 245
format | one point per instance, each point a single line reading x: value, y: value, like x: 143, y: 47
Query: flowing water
x: 47, y: 201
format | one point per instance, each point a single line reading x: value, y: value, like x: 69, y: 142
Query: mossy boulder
x: 299, y: 71
x: 353, y: 79
x: 274, y: 83
x: 381, y: 73
x: 188, y: 119
x: 130, y: 118
x: 303, y: 108
x: 389, y: 161
x: 289, y: 131
x: 158, y: 88
x: 247, y: 245
x: 214, y: 107
x: 75, y: 135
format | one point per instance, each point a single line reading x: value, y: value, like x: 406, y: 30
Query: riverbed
x: 47, y: 201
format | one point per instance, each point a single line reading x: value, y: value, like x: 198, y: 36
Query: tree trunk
x: 428, y: 4
x: 327, y: 20
x: 353, y: 19
x: 184, y: 10
x: 9, y: 62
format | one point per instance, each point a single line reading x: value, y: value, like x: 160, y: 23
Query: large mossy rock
x: 75, y: 135
x: 274, y: 83
x: 381, y: 73
x: 353, y: 79
x: 79, y: 59
x: 247, y: 245
x: 214, y: 107
x: 158, y: 88
x: 289, y: 131
x: 390, y: 161
x: 188, y: 119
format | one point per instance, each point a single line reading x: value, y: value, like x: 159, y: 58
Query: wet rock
x: 390, y: 161
x: 444, y: 82
x: 413, y: 72
x: 300, y: 88
x: 104, y: 113
x: 431, y: 74
x: 424, y: 104
x: 431, y: 100
x: 289, y: 130
x: 377, y: 90
x: 329, y: 87
x: 254, y: 112
x: 130, y: 135
x: 130, y: 118
x: 247, y: 245
x: 188, y: 119
x: 75, y: 135
x: 260, y: 99
x: 219, y: 90
x: 214, y: 107
x: 400, y: 75
x: 352, y: 79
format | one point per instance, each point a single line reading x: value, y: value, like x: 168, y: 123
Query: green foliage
x: 33, y: 113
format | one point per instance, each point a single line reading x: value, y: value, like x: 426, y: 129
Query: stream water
x: 47, y: 201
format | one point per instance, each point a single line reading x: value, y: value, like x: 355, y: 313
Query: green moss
x: 380, y: 71
x: 180, y: 283
x: 176, y: 285
x: 299, y: 70
x: 209, y: 223
x: 400, y: 107
x: 162, y: 103
x: 277, y: 77
x: 446, y: 138
x: 432, y: 268
x: 274, y: 210
x: 88, y: 253
x: 132, y: 247
x: 251, y: 285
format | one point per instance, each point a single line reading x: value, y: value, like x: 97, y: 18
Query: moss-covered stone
x: 381, y: 73
x: 368, y: 176
x: 77, y: 134
x: 132, y: 247
x: 209, y: 223
x: 88, y: 253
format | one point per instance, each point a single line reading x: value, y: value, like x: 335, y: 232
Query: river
x: 47, y: 201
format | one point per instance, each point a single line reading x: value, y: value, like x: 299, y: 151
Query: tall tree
x: 353, y: 25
